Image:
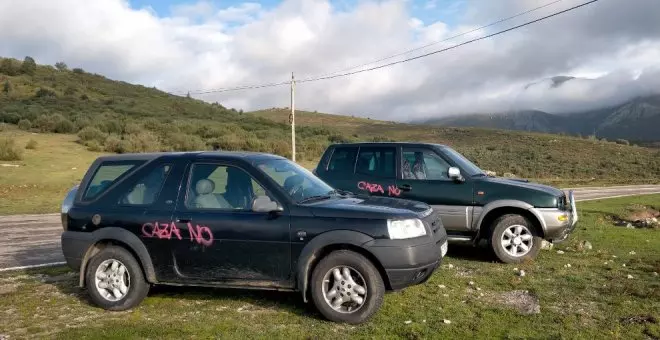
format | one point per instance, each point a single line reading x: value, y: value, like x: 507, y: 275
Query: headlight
x: 401, y: 229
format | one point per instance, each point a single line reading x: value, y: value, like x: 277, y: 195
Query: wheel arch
x: 118, y: 237
x: 326, y: 243
x: 496, y: 209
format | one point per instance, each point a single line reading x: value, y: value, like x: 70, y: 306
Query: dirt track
x: 32, y: 240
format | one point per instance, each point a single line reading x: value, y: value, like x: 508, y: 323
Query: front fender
x: 506, y: 204
x: 313, y: 248
x: 122, y: 236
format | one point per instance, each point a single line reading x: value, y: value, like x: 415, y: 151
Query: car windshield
x: 299, y: 183
x: 462, y: 162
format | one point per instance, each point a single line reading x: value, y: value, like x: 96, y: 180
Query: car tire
x: 515, y: 239
x: 114, y: 269
x: 361, y: 272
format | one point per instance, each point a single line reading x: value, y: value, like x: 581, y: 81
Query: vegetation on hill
x: 114, y: 116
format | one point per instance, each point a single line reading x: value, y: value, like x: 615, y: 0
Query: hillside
x: 637, y: 120
x: 113, y: 116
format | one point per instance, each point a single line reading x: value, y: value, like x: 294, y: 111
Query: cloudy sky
x: 178, y: 45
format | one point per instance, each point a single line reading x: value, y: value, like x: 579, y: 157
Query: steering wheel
x: 294, y: 186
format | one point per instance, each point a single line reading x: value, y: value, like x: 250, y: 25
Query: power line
x: 447, y: 48
x: 447, y: 39
x: 344, y: 74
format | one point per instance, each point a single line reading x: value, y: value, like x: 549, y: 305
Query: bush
x: 144, y: 141
x: 29, y: 66
x: 90, y: 133
x: 622, y: 142
x: 7, y: 67
x: 78, y: 70
x: 185, y: 143
x: 61, y: 66
x: 64, y: 125
x: 24, y: 124
x: 93, y: 146
x: 44, y: 92
x: 6, y: 87
x: 9, y: 151
x: 31, y: 144
x: 113, y: 144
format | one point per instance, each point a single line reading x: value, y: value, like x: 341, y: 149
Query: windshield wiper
x: 341, y: 192
x: 314, y: 198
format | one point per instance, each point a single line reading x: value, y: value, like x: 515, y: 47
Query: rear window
x: 106, y: 175
x: 343, y: 160
x: 377, y: 162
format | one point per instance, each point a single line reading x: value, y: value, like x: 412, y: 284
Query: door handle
x: 405, y: 187
x: 183, y: 220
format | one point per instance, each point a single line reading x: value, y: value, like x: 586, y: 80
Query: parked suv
x: 514, y: 216
x: 242, y: 220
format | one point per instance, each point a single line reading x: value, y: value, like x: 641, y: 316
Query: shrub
x: 64, y: 125
x: 84, y: 96
x: 94, y: 146
x: 7, y: 67
x: 61, y: 66
x: 90, y: 133
x: 622, y: 142
x: 113, y: 144
x: 6, y: 87
x: 9, y: 151
x: 180, y: 142
x: 44, y: 92
x: 24, y: 124
x: 78, y: 70
x: 145, y: 141
x: 9, y: 117
x: 31, y: 144
x: 29, y: 66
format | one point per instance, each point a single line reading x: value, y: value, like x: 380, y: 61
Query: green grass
x: 593, y: 299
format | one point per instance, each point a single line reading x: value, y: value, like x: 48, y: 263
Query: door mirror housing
x: 266, y: 205
x: 455, y: 174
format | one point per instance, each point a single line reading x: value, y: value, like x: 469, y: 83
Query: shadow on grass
x: 466, y: 251
x: 66, y: 281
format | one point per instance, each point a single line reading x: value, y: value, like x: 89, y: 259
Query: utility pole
x: 292, y: 118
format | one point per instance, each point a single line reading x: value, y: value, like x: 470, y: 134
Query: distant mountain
x: 635, y: 120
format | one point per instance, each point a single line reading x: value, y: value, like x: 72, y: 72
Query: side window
x: 221, y: 187
x: 377, y: 162
x: 343, y: 160
x: 147, y: 189
x: 423, y: 164
x: 106, y: 175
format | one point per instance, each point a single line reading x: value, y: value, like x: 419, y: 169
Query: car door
x: 424, y: 177
x: 339, y: 170
x: 375, y: 171
x: 138, y: 203
x: 222, y: 238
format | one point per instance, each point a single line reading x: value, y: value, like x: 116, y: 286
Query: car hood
x: 370, y: 207
x: 524, y: 184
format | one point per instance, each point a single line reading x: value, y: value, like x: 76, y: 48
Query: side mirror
x: 455, y: 174
x: 265, y: 204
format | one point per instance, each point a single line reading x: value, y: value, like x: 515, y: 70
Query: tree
x: 61, y: 66
x: 7, y: 67
x: 29, y: 66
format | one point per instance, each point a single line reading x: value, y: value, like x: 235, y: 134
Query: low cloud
x: 613, y: 47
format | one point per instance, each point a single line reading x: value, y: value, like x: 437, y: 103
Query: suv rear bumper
x: 74, y: 246
x: 409, y: 262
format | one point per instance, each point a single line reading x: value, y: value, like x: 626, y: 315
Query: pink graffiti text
x: 200, y: 234
x: 392, y: 190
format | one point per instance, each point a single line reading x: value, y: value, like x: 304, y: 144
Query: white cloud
x: 202, y: 46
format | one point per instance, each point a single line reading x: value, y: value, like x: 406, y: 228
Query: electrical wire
x: 446, y: 39
x: 344, y: 74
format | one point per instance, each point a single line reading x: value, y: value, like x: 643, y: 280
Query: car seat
x: 238, y: 191
x: 205, y: 199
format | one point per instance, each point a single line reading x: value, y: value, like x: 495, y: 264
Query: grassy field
x: 46, y: 172
x: 609, y: 292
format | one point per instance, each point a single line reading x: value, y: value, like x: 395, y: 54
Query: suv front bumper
x: 410, y: 262
x: 558, y: 224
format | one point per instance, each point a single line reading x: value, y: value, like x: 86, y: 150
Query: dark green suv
x: 514, y: 216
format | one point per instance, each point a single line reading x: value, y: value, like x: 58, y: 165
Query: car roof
x: 388, y: 144
x: 245, y: 155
